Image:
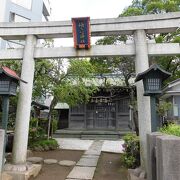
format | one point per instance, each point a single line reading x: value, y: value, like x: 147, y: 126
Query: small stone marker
x: 50, y: 161
x: 67, y: 163
x: 142, y: 175
x: 35, y: 160
x: 2, y: 133
x: 137, y: 171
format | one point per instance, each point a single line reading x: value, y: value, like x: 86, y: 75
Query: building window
x: 175, y: 110
x: 123, y: 105
x: 11, y: 17
x: 24, y: 3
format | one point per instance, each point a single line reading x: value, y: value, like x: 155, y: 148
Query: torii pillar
x: 143, y: 102
x: 24, y: 102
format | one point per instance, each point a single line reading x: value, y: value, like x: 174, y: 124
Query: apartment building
x: 23, y: 11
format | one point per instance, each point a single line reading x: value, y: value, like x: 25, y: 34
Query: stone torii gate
x: 138, y: 26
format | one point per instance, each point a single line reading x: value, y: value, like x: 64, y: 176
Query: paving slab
x: 67, y: 163
x: 50, y: 161
x: 85, y: 173
x: 74, y: 143
x: 95, y: 148
x: 113, y: 146
x: 35, y: 159
x: 91, y: 156
x: 92, y: 152
x: 87, y: 162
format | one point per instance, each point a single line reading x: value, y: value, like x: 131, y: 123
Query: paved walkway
x: 86, y: 166
x: 79, y: 144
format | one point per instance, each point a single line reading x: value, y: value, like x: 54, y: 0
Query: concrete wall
x: 163, y: 157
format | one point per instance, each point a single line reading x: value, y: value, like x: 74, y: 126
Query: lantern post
x: 5, y: 111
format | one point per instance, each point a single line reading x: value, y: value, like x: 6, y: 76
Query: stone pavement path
x: 85, y: 167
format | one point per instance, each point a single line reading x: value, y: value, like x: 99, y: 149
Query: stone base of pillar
x: 136, y: 174
x: 23, y: 171
x: 6, y: 176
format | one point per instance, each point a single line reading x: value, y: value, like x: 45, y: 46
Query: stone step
x: 90, y: 134
x: 61, y: 135
x: 100, y: 137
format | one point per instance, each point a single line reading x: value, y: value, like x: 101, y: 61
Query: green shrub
x: 44, y: 145
x: 33, y: 122
x: 36, y: 133
x: 171, y: 129
x: 131, y: 155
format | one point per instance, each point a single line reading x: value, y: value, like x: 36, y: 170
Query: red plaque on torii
x: 81, y: 32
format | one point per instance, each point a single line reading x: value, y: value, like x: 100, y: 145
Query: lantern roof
x: 153, y: 68
x: 11, y: 73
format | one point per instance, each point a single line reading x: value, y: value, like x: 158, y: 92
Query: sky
x: 95, y: 9
x: 66, y: 9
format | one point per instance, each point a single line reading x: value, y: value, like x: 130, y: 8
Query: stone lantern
x: 8, y: 86
x: 8, y: 82
x: 153, y: 80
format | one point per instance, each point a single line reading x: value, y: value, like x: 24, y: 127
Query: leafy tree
x: 143, y: 7
x: 42, y: 80
x: 121, y: 65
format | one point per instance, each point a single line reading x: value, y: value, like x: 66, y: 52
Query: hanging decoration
x: 101, y: 99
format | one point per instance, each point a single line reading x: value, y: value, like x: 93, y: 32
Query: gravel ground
x: 55, y: 171
x: 110, y: 168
